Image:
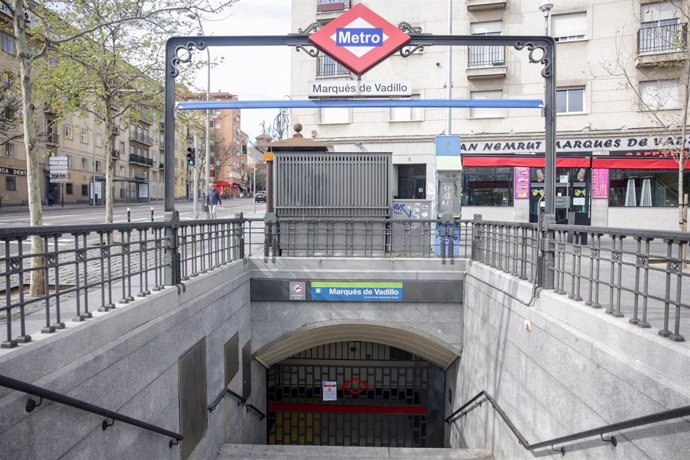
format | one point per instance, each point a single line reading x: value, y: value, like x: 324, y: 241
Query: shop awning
x: 564, y: 160
x: 636, y: 160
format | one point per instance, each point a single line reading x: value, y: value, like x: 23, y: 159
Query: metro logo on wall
x: 359, y: 39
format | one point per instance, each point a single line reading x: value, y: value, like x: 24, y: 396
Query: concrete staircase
x: 251, y: 451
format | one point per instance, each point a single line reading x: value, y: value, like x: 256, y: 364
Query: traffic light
x: 244, y: 149
x: 191, y: 156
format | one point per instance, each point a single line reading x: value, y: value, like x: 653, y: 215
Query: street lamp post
x: 545, y: 7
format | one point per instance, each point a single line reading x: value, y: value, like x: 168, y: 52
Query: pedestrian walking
x: 212, y: 200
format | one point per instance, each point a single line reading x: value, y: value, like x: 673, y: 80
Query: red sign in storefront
x: 359, y: 39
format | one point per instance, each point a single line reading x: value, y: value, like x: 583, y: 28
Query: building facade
x: 620, y: 100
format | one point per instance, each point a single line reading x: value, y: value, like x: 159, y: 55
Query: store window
x: 645, y: 188
x: 570, y: 100
x: 487, y: 112
x: 10, y: 183
x: 659, y: 95
x: 569, y: 27
x: 487, y: 186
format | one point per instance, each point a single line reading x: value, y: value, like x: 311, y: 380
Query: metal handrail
x: 657, y: 417
x: 253, y: 408
x: 85, y: 406
x: 226, y: 391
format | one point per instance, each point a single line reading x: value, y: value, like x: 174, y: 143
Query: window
x: 329, y: 67
x: 9, y: 149
x: 68, y: 189
x: 68, y: 131
x: 84, y: 190
x: 84, y: 166
x: 570, y: 100
x: 99, y: 140
x: 84, y: 136
x: 569, y: 27
x: 659, y: 95
x: 334, y: 115
x: 642, y: 188
x: 8, y: 44
x: 487, y: 112
x: 660, y: 28
x: 10, y: 183
x: 98, y: 165
x: 407, y: 113
x: 487, y: 186
x: 486, y: 56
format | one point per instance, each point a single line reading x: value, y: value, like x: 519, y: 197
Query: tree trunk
x: 33, y: 168
x: 109, y: 145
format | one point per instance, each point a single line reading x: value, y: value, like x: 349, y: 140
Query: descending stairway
x: 252, y: 451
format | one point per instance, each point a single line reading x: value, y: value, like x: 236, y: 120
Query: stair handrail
x: 252, y: 407
x: 226, y: 392
x: 44, y: 393
x: 656, y: 417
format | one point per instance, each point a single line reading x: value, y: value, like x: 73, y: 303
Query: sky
x: 251, y: 72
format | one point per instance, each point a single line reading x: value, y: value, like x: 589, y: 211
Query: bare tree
x: 666, y: 108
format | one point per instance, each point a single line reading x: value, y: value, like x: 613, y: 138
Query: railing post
x: 475, y: 237
x: 546, y: 256
x: 240, y: 235
x: 269, y: 222
x: 172, y: 255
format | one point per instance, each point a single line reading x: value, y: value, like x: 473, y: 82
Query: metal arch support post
x: 179, y: 50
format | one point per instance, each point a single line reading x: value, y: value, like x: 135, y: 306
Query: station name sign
x: 360, y: 88
x: 12, y: 171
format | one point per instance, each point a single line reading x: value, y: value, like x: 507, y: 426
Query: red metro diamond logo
x: 359, y: 39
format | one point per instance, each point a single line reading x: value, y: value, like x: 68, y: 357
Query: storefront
x: 604, y: 181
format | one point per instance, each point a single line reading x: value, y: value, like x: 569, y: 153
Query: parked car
x: 260, y: 197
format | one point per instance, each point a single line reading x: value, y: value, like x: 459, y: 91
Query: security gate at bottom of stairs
x: 356, y: 394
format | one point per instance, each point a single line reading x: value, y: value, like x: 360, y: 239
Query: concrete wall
x: 441, y: 320
x: 126, y: 360
x: 560, y: 367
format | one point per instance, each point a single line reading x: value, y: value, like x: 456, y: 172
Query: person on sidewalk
x: 212, y: 200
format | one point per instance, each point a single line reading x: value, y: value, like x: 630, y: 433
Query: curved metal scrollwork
x: 183, y: 54
x: 310, y: 50
x: 543, y: 59
x: 407, y: 51
x: 409, y: 28
x: 313, y: 27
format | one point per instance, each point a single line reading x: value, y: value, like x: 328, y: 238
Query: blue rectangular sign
x: 357, y: 291
x: 358, y: 37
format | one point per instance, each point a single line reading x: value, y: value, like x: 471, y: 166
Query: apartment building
x: 620, y: 96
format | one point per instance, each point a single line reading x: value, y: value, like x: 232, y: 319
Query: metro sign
x: 359, y: 39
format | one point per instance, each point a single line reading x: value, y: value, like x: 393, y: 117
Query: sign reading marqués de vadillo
x: 362, y: 88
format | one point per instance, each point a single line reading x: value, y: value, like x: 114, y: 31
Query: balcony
x: 486, y: 62
x: 478, y: 5
x: 142, y: 138
x: 52, y: 139
x: 661, y: 44
x: 115, y: 154
x: 329, y: 9
x: 138, y: 159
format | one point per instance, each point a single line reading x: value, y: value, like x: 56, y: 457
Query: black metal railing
x: 113, y: 416
x: 483, y: 396
x: 652, y: 38
x: 486, y: 56
x: 226, y: 392
x: 252, y: 408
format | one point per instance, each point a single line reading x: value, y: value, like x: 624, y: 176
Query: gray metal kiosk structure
x: 540, y: 49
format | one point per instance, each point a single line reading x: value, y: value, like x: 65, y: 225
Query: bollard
x: 128, y: 216
x: 151, y: 213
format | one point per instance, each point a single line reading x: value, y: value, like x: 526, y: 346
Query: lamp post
x: 207, y: 137
x: 545, y: 7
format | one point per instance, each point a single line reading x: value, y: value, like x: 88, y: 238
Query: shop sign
x: 357, y: 291
x: 522, y: 183
x: 600, y: 183
x: 359, y: 39
x: 12, y: 171
x: 362, y: 88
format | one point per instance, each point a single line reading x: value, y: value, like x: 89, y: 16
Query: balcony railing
x: 116, y: 154
x: 140, y: 137
x: 662, y: 39
x: 52, y: 138
x: 327, y: 67
x: 486, y: 56
x: 326, y: 6
x: 134, y: 158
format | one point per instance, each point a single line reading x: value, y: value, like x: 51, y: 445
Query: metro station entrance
x: 355, y: 394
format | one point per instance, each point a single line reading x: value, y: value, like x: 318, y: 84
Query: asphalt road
x: 139, y: 212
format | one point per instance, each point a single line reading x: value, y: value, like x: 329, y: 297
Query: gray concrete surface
x: 248, y: 451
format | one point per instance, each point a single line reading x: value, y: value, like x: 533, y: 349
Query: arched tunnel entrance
x: 355, y: 393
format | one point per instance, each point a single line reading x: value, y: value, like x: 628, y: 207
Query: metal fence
x: 641, y: 275
x: 486, y: 56
x: 81, y: 270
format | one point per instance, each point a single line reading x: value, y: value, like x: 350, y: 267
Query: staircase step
x: 252, y: 451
